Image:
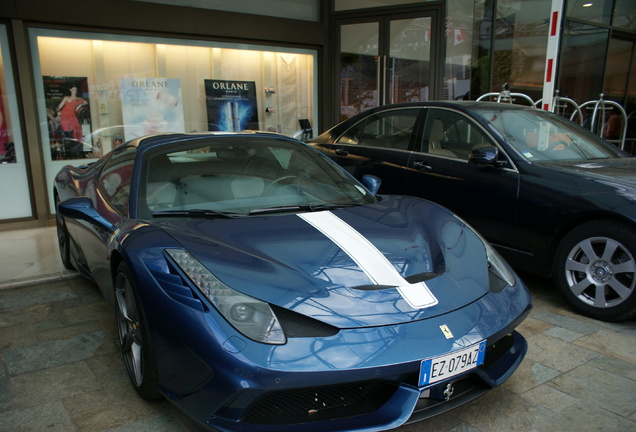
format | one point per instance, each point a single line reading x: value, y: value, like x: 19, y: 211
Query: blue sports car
x: 258, y: 286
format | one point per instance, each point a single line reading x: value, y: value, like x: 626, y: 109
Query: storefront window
x: 459, y: 46
x: 97, y: 91
x: 13, y: 166
x: 583, y: 53
x: 624, y: 13
x: 520, y: 43
x: 597, y: 11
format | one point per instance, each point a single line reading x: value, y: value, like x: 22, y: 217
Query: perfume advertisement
x: 150, y: 106
x: 231, y: 105
x: 68, y: 116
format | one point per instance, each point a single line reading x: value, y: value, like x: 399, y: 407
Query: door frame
x: 434, y: 10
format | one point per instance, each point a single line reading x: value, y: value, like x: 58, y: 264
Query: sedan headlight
x: 252, y: 317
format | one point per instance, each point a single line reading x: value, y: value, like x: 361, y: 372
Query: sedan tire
x: 596, y: 270
x: 134, y: 337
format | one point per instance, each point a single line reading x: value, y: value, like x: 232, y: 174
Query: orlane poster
x: 150, y: 106
x: 68, y: 117
x: 231, y: 105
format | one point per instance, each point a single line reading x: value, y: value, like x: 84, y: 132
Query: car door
x: 483, y: 195
x: 379, y: 144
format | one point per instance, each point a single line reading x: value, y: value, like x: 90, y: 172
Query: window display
x: 13, y: 164
x: 99, y: 90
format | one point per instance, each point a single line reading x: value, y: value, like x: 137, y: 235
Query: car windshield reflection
x: 242, y: 176
x: 541, y: 137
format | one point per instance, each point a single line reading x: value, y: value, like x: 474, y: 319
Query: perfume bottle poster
x: 231, y: 105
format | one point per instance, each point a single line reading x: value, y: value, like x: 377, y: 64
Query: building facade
x: 79, y: 78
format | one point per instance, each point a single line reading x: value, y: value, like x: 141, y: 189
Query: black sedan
x: 555, y: 199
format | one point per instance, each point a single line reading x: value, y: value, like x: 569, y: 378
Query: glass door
x: 388, y: 59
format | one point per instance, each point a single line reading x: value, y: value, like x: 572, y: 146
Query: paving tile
x: 101, y: 410
x: 5, y: 392
x: 49, y: 385
x: 529, y: 375
x: 161, y: 423
x: 16, y: 336
x: 45, y: 417
x: 585, y: 417
x: 531, y: 326
x: 573, y: 324
x: 52, y: 353
x: 603, y: 389
x: 502, y: 411
x: 550, y: 398
x: 563, y: 334
x: 611, y: 343
x: 557, y: 354
x: 21, y: 298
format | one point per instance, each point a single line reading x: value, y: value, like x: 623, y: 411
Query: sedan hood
x: 396, y: 261
x: 621, y: 171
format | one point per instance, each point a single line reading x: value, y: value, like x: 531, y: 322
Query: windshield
x: 542, y: 136
x: 237, y: 176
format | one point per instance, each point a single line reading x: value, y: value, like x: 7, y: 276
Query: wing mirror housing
x: 82, y: 208
x: 484, y: 156
x: 372, y: 183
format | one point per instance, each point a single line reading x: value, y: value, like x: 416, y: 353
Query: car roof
x: 146, y: 142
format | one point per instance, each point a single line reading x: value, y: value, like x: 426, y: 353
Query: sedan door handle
x: 342, y: 152
x: 422, y: 166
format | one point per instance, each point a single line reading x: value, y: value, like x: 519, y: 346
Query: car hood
x: 621, y: 171
x: 399, y: 260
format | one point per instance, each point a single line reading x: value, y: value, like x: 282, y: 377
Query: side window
x: 451, y: 134
x: 115, y: 177
x: 391, y: 129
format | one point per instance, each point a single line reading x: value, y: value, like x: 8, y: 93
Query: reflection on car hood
x: 320, y: 266
x: 621, y: 170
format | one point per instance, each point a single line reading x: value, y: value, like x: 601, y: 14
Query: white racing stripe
x: 372, y: 262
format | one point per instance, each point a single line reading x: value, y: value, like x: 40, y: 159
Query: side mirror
x: 372, y: 183
x: 82, y: 208
x: 484, y: 156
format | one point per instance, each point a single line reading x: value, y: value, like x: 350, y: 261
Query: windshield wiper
x: 302, y: 207
x: 197, y: 213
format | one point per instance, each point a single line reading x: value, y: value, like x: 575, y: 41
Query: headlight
x: 497, y: 266
x: 252, y: 317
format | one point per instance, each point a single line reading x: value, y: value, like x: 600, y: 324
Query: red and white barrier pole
x: 552, y: 54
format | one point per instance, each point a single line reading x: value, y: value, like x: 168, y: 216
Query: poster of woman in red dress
x: 69, y: 120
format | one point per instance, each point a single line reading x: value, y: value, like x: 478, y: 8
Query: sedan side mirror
x: 82, y: 208
x: 484, y: 156
x: 372, y: 183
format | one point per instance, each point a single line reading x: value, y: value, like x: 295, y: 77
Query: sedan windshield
x: 234, y: 176
x: 542, y: 136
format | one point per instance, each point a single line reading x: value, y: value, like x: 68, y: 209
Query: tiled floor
x: 60, y: 368
x: 30, y: 255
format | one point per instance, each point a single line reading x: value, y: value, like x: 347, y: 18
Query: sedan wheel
x: 134, y: 337
x: 597, y: 270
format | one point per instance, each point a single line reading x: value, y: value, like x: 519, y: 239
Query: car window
x: 242, y: 175
x: 541, y: 136
x: 390, y: 129
x: 114, y: 179
x: 450, y: 134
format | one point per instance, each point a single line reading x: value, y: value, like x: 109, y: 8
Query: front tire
x: 63, y: 239
x: 134, y: 336
x: 596, y: 270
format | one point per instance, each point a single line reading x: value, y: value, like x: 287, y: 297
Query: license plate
x: 449, y: 365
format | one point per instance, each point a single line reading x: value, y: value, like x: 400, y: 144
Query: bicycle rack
x: 600, y: 105
x: 560, y: 105
x: 506, y: 96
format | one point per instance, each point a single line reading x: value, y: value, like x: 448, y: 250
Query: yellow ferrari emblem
x: 446, y: 331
